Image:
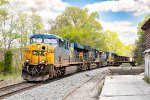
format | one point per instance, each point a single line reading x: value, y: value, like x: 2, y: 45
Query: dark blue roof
x: 79, y: 46
x: 83, y: 47
x: 45, y: 36
x: 87, y: 47
x: 95, y: 50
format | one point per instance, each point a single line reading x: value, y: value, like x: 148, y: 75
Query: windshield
x: 52, y: 42
x: 36, y: 40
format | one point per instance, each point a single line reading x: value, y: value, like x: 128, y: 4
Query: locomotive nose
x: 39, y: 54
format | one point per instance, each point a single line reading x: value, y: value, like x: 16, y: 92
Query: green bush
x: 140, y: 60
x: 146, y: 79
x: 8, y: 62
x: 1, y: 66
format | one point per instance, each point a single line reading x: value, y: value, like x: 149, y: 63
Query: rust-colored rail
x: 16, y: 88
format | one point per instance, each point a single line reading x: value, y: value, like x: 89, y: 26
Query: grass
x: 16, y: 73
x: 9, y: 76
x: 146, y: 79
x: 15, y: 70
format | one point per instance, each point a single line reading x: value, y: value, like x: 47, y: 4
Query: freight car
x: 116, y: 60
x: 124, y: 59
x: 50, y: 56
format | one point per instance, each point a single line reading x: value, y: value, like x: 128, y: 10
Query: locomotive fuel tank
x: 70, y: 69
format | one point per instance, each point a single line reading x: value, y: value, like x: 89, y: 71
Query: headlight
x: 27, y: 49
x: 42, y: 62
x: 50, y: 50
x: 38, y: 46
x: 27, y: 60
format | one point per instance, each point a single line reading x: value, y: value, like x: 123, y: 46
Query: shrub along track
x: 100, y: 77
x: 16, y: 88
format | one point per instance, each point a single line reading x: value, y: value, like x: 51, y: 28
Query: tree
x: 23, y: 28
x: 8, y: 62
x: 3, y: 17
x: 77, y: 25
x: 140, y: 42
x: 7, y: 25
x: 36, y: 22
x: 15, y: 28
x: 3, y: 2
x: 112, y: 43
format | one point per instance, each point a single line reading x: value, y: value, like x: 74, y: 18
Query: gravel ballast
x: 56, y: 89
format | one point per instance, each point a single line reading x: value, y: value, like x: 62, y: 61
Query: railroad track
x: 16, y: 88
x: 20, y: 87
x: 100, y: 76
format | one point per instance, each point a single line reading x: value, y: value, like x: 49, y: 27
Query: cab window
x: 67, y: 45
x: 52, y: 42
x: 36, y: 40
x: 61, y: 43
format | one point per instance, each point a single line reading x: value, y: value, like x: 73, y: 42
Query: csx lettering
x: 38, y: 52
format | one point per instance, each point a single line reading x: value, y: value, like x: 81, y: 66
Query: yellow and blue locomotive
x: 50, y: 56
x: 40, y: 57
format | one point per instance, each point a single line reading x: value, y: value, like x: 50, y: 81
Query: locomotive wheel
x: 88, y: 67
x: 79, y: 67
x: 51, y: 72
x: 59, y: 72
x: 55, y: 73
x: 84, y: 67
x: 97, y: 65
x: 100, y: 64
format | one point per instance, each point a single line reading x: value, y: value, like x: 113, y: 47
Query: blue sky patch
x: 120, y: 16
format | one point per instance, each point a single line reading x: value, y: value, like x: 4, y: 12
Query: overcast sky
x: 120, y: 16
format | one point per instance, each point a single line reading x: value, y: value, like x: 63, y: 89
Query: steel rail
x: 16, y: 88
x: 102, y: 74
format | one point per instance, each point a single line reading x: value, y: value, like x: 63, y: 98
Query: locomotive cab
x: 39, y: 57
x: 111, y: 58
